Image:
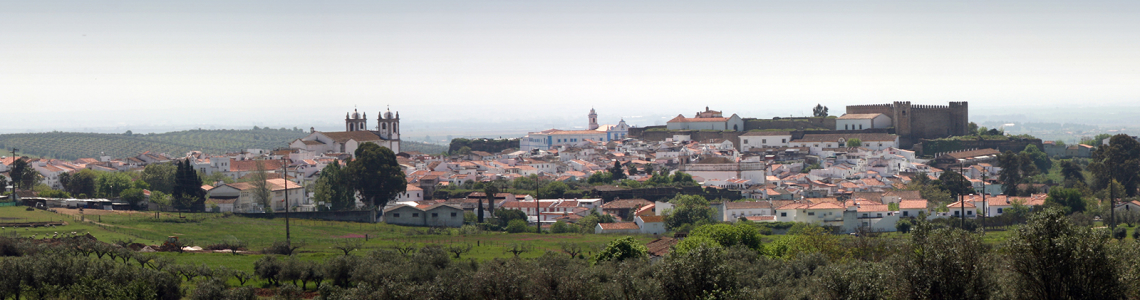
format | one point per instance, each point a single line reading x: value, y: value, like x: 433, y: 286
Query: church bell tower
x: 593, y: 120
x: 388, y: 125
x: 355, y: 122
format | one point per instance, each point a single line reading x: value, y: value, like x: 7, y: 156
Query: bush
x: 282, y: 248
x: 563, y: 227
x: 1136, y: 234
x: 288, y: 292
x: 517, y: 226
x: 268, y: 268
x: 1119, y: 233
x: 903, y: 225
x: 623, y: 249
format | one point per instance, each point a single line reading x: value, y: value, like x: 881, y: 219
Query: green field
x: 318, y: 236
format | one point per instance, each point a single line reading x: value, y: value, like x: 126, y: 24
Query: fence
x: 13, y: 203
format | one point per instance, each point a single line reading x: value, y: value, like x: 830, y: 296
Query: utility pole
x: 13, y: 196
x: 985, y: 205
x: 1112, y: 204
x: 537, y: 217
x: 285, y: 178
x: 962, y: 198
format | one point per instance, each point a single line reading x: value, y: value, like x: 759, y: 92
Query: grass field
x: 317, y: 236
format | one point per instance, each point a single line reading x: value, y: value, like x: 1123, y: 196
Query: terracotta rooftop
x: 619, y: 226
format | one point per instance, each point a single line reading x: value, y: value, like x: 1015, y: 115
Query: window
x: 415, y: 215
x: 452, y: 215
x: 744, y: 141
x: 434, y: 215
x: 864, y: 215
x: 783, y: 214
x: 396, y: 215
x: 860, y: 126
x: 764, y: 141
x: 783, y: 140
x: 905, y: 213
x: 999, y: 210
x: 811, y: 213
x: 880, y: 215
x: 845, y: 127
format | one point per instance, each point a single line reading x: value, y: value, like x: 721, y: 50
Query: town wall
x: 933, y: 147
x: 660, y: 134
x: 789, y: 124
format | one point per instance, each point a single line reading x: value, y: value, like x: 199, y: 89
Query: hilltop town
x: 865, y: 169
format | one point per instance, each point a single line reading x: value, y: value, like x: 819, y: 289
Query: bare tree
x: 459, y: 249
x: 261, y: 191
x: 405, y: 248
x: 518, y: 248
x: 573, y: 249
x: 348, y: 245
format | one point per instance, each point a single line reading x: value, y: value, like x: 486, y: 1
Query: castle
x: 356, y: 131
x: 913, y: 122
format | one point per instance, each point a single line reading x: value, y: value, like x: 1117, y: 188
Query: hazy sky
x: 124, y: 64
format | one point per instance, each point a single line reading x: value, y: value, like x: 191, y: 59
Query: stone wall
x: 913, y: 122
x: 789, y: 124
x: 362, y: 216
x: 733, y: 136
x: 933, y: 147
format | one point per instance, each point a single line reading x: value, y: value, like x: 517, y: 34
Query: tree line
x: 1048, y: 258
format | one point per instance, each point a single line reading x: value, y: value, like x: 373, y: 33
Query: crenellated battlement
x: 872, y: 105
x: 916, y: 121
x: 923, y: 106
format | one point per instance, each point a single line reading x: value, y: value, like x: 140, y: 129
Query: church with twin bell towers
x: 356, y: 131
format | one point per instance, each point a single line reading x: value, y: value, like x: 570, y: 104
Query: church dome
x: 355, y: 114
x: 388, y: 115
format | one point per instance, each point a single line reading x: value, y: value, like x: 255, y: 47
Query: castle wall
x: 789, y: 123
x: 913, y: 122
x: 930, y: 121
x: 886, y: 109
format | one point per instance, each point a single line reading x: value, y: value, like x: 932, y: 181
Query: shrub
x: 282, y: 247
x: 1040, y: 258
x: 1119, y: 233
x: 1136, y: 233
x: 517, y: 226
x: 903, y: 225
x: 623, y: 249
x: 268, y: 268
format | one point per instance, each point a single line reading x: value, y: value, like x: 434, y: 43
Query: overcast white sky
x: 123, y: 64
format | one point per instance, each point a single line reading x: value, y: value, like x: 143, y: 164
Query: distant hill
x: 422, y: 147
x: 482, y: 144
x: 75, y: 145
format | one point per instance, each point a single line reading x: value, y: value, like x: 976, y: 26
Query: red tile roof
x: 652, y: 219
x: 251, y: 165
x: 912, y: 204
x: 619, y: 226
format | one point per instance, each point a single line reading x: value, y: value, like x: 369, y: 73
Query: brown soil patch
x: 269, y: 293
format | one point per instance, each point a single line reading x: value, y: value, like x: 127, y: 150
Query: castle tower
x: 389, y: 125
x: 593, y: 120
x: 902, y: 117
x: 355, y: 122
